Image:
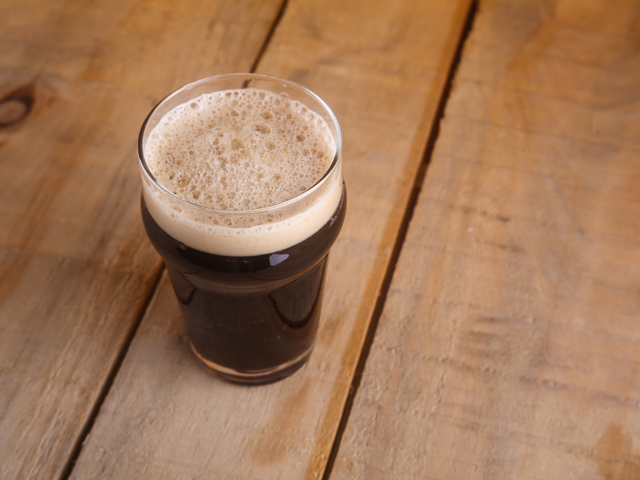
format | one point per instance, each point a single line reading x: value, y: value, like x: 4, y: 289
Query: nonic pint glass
x: 243, y: 196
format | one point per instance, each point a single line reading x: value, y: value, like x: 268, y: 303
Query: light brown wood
x: 76, y: 271
x: 509, y: 345
x: 382, y: 67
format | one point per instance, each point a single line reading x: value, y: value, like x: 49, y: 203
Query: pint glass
x: 243, y: 196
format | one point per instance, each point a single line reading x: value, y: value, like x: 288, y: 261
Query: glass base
x: 254, y: 377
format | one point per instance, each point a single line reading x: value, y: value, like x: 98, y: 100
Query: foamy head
x: 241, y: 172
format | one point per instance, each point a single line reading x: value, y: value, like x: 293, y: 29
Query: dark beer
x: 243, y: 197
x: 250, y: 314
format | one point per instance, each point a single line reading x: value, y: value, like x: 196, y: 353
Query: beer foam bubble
x: 240, y: 150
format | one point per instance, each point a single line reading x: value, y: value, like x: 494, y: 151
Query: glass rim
x: 247, y: 76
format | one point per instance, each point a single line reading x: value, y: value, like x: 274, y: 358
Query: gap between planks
x: 267, y: 40
x: 115, y: 368
x: 402, y: 233
x: 113, y: 373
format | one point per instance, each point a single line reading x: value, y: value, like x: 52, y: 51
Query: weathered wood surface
x: 509, y: 345
x: 76, y: 271
x: 382, y: 67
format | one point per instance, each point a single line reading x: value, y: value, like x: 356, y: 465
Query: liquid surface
x: 239, y: 149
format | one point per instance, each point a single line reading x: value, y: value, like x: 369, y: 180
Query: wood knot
x: 14, y: 108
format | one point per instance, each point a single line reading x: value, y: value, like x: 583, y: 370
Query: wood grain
x: 76, y: 271
x: 382, y: 67
x: 509, y: 346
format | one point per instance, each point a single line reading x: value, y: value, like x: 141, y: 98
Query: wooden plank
x: 382, y: 67
x: 509, y: 345
x: 76, y: 270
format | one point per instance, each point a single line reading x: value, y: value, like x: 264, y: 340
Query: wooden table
x: 482, y: 312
